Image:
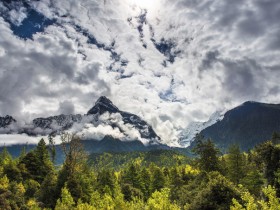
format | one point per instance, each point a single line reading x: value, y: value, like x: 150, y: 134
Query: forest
x: 156, y: 180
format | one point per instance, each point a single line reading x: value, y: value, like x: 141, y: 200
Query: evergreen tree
x: 66, y: 202
x: 160, y: 201
x: 271, y: 202
x: 52, y: 148
x: 268, y: 157
x: 5, y: 193
x: 208, y: 155
x: 275, y: 138
x: 236, y: 162
x: 106, y: 182
x: 42, y: 154
x: 146, y: 179
x: 36, y: 164
x: 48, y: 193
x: 30, y: 167
x: 158, y: 180
x: 32, y: 187
x: 74, y: 165
x: 216, y: 194
x: 13, y: 172
x: 134, y: 176
x: 5, y: 157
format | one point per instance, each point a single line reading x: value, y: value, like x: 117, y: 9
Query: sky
x: 169, y: 62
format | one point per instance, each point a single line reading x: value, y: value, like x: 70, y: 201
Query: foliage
x: 208, y: 154
x: 141, y: 181
x: 117, y: 161
x: 160, y: 201
x: 66, y: 202
x: 272, y: 202
x: 236, y: 164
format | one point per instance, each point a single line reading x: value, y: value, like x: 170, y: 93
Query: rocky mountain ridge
x: 246, y: 125
x: 94, y: 117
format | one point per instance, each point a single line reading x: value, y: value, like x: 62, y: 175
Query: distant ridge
x: 246, y: 125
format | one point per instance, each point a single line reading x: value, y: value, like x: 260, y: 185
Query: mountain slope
x: 7, y: 124
x: 103, y: 105
x: 194, y: 128
x: 53, y: 124
x: 6, y: 121
x: 246, y: 125
x: 107, y: 144
x: 104, y: 128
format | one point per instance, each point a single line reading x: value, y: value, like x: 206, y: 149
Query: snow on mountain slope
x: 188, y: 135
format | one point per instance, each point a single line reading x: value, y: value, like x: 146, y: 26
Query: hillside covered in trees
x: 159, y: 180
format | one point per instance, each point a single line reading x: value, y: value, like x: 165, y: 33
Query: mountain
x: 246, y: 125
x: 134, y: 134
x: 6, y: 121
x: 7, y: 124
x: 194, y: 128
x: 94, y: 117
x: 97, y: 115
x: 103, y: 105
x: 53, y: 124
x: 108, y: 129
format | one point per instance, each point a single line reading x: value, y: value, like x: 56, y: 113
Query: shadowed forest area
x: 154, y: 180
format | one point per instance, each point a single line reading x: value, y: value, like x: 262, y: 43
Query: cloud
x: 66, y: 107
x: 188, y: 60
x: 12, y: 139
x: 97, y: 128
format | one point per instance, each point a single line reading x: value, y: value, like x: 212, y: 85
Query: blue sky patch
x: 34, y: 23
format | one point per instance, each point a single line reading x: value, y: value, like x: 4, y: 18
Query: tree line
x: 210, y: 180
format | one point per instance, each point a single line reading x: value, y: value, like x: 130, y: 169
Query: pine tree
x: 5, y: 156
x: 236, y: 164
x: 36, y: 164
x: 160, y: 201
x: 52, y: 148
x: 106, y: 182
x: 158, y: 181
x: 208, y: 155
x: 275, y: 138
x: 48, y: 193
x: 146, y: 180
x: 66, y: 202
x: 74, y: 166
